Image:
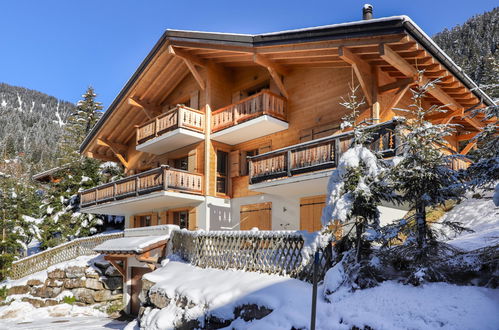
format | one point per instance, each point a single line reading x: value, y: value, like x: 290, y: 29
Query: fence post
x: 314, y: 291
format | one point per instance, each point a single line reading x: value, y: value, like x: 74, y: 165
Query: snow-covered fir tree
x: 355, y: 187
x: 423, y: 175
x: 60, y: 207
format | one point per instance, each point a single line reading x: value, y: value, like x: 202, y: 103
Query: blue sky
x: 61, y: 47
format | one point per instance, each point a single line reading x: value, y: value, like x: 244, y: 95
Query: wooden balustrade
x: 262, y: 103
x: 178, y: 117
x: 161, y: 178
x: 316, y: 155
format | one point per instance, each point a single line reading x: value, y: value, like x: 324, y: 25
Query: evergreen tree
x: 355, y: 186
x: 423, y: 175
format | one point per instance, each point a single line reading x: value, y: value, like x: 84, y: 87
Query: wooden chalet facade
x: 228, y: 131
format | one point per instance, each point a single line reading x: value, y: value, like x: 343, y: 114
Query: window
x: 222, y: 166
x: 181, y: 163
x: 144, y: 221
x: 181, y: 219
x: 257, y: 89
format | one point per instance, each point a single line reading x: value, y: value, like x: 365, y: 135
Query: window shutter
x: 243, y: 165
x: 191, y: 161
x: 132, y: 222
x: 194, y: 102
x: 154, y: 219
x: 234, y: 160
x: 192, y: 219
x: 163, y: 216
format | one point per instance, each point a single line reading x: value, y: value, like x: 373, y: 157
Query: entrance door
x: 256, y: 215
x: 311, y: 212
x: 137, y: 273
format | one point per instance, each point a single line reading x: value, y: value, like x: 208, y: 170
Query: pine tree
x: 60, y: 207
x: 423, y: 175
x: 79, y: 124
x: 355, y: 186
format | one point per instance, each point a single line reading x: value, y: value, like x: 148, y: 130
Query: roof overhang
x: 252, y: 44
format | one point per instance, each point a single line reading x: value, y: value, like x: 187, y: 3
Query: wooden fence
x: 64, y: 252
x: 272, y: 252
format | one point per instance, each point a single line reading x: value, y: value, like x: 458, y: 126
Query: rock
x: 213, y: 322
x: 46, y: 292
x: 84, y: 295
x: 111, y: 271
x: 102, y: 264
x: 112, y: 283
x: 52, y: 282
x: 34, y: 282
x: 105, y: 295
x: 94, y: 284
x: 75, y: 272
x: 251, y: 312
x: 51, y: 302
x: 118, y: 291
x: 146, y: 284
x: 159, y: 299
x: 72, y: 283
x: 56, y: 273
x: 35, y: 302
x: 21, y: 289
x: 91, y: 273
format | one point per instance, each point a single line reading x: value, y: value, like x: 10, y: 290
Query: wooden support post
x: 190, y: 61
x: 150, y: 110
x: 362, y: 71
x: 118, y: 149
x: 275, y: 71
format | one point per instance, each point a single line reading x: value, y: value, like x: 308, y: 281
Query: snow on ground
x: 22, y: 315
x: 388, y: 306
x: 480, y: 215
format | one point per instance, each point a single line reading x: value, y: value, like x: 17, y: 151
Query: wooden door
x: 256, y: 215
x: 137, y: 273
x: 311, y: 212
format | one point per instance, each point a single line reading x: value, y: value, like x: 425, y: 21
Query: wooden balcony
x: 258, y: 115
x: 171, y: 130
x: 160, y: 179
x: 316, y: 155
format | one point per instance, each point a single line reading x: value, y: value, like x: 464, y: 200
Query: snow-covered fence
x: 64, y: 252
x: 287, y: 253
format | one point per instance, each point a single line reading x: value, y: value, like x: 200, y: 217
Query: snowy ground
x: 480, y: 215
x: 388, y: 306
x: 22, y: 315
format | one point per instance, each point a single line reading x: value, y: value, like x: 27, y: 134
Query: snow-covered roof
x: 129, y: 244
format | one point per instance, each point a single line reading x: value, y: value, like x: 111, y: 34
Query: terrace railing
x: 272, y: 252
x: 317, y: 154
x: 63, y: 252
x: 161, y: 178
x: 178, y: 117
x: 262, y: 103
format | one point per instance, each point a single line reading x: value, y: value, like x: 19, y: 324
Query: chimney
x: 367, y: 12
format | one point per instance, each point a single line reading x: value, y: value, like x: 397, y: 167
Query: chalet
x: 222, y: 131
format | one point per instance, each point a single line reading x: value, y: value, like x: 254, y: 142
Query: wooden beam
x: 393, y: 102
x: 394, y: 59
x: 362, y: 70
x: 399, y: 84
x: 118, y: 149
x: 468, y: 147
x: 466, y: 137
x: 114, y: 262
x: 376, y: 106
x: 150, y: 110
x: 106, y: 158
x: 190, y: 61
x: 275, y: 72
x: 475, y: 123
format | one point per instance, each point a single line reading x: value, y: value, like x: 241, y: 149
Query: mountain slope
x: 474, y: 46
x: 31, y: 124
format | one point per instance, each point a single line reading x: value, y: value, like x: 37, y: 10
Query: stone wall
x: 96, y: 282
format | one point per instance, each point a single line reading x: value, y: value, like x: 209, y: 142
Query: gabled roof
x: 247, y: 44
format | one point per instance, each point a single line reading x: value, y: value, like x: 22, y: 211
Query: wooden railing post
x: 288, y: 162
x: 136, y: 186
x: 165, y: 178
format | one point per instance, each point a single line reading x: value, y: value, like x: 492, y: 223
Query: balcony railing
x: 178, y: 117
x: 316, y: 155
x: 161, y: 178
x: 262, y: 103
